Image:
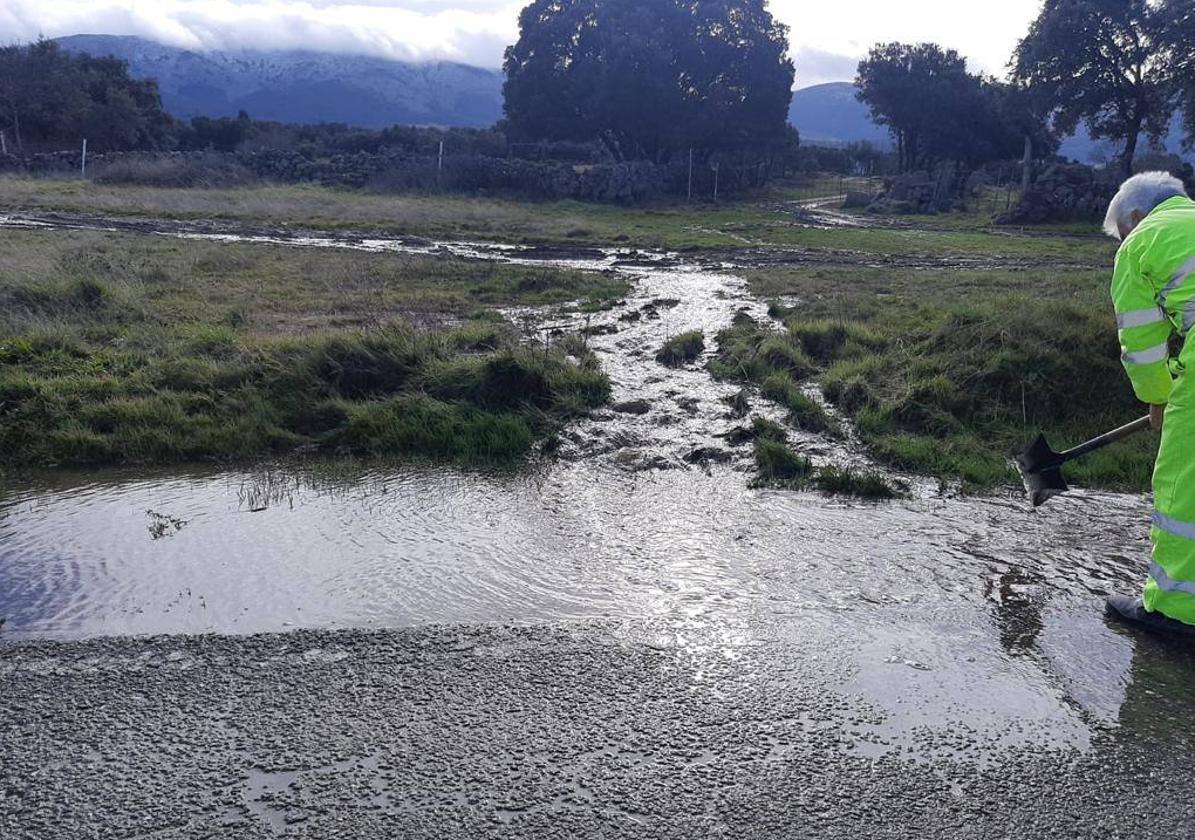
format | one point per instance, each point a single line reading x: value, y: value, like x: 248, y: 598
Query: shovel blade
x: 1041, y: 471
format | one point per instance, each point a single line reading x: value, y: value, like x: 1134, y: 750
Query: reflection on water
x: 251, y: 551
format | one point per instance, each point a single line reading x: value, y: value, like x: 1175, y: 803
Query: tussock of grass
x: 682, y: 349
x: 751, y: 353
x: 153, y: 350
x: 948, y: 373
x: 776, y: 362
x: 845, y: 482
x: 779, y: 466
x: 764, y: 429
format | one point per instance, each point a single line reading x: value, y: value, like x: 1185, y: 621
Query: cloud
x: 472, y: 31
x: 985, y: 33
x: 827, y: 38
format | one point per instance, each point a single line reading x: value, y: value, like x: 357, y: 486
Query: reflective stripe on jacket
x: 1153, y: 290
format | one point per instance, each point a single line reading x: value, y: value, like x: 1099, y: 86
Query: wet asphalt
x: 582, y: 730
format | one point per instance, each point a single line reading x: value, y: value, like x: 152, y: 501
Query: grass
x: 776, y: 363
x: 777, y: 465
x: 752, y: 221
x: 947, y: 373
x: 117, y: 348
x: 681, y: 349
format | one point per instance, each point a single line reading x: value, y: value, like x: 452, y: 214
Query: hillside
x: 307, y: 87
x: 830, y: 114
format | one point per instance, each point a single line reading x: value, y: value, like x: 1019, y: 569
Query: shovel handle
x: 1105, y: 439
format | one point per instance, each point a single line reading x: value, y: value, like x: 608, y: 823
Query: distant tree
x: 1102, y: 62
x: 935, y: 110
x: 650, y: 79
x: 218, y: 134
x: 51, y: 97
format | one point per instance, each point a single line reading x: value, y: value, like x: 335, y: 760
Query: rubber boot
x: 1132, y: 611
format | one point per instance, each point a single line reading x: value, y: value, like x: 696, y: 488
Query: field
x: 757, y: 223
x: 947, y: 372
x: 946, y: 341
x: 121, y: 347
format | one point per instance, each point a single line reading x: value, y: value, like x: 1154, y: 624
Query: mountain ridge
x: 306, y: 87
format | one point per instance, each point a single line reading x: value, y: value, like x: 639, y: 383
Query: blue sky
x: 828, y: 36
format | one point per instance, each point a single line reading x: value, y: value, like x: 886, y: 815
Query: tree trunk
x: 1130, y: 148
x: 16, y: 130
x: 1027, y: 167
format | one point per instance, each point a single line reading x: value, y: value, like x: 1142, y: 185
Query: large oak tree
x: 936, y: 110
x: 1103, y: 62
x: 650, y: 79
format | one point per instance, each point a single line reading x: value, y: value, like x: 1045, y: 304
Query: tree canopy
x: 1106, y: 63
x: 936, y: 110
x: 51, y: 97
x: 650, y: 79
x: 1176, y: 39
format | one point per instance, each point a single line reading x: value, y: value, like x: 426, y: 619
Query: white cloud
x: 985, y: 32
x: 828, y: 38
x: 472, y: 31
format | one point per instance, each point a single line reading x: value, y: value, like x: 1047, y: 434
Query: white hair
x: 1141, y: 193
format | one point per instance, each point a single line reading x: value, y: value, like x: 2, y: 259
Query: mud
x: 824, y: 214
x: 739, y: 258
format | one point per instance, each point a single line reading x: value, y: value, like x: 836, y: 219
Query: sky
x: 828, y: 37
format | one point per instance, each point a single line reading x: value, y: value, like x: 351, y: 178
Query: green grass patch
x: 776, y: 362
x: 151, y: 350
x: 947, y: 373
x: 748, y: 222
x: 681, y: 349
x: 777, y: 465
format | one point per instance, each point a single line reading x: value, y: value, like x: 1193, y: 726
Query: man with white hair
x: 1153, y: 290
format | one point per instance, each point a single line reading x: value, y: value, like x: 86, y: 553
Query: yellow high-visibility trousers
x: 1170, y: 589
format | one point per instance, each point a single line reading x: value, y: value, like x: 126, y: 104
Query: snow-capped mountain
x: 307, y: 87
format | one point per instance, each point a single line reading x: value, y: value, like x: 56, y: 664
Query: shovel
x: 1041, y: 466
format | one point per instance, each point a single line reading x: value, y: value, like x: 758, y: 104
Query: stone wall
x: 1065, y: 193
x: 918, y: 193
x: 399, y: 171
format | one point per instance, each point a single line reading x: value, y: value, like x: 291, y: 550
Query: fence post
x: 440, y: 167
x: 3, y: 144
x: 690, y: 173
x: 717, y: 171
x: 83, y: 163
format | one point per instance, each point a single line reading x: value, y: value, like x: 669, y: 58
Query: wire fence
x: 829, y: 186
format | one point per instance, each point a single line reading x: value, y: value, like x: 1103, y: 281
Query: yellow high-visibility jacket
x: 1153, y: 291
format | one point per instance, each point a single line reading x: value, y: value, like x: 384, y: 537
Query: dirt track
x: 590, y: 731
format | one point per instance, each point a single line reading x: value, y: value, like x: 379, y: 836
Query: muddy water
x: 975, y: 610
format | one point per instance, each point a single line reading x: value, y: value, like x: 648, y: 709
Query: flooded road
x: 261, y: 551
x: 937, y: 659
